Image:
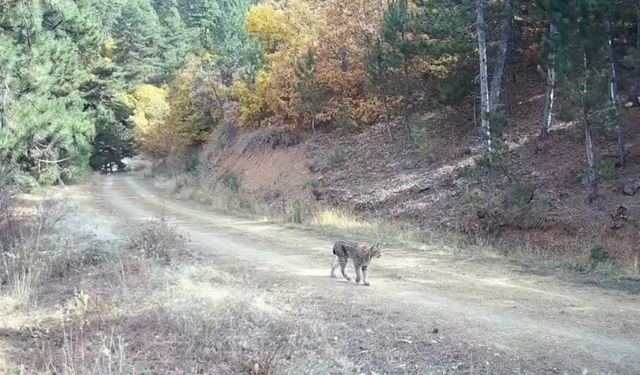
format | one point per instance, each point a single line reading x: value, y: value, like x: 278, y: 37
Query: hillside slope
x: 536, y: 200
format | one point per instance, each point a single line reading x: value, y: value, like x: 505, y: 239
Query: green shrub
x: 607, y: 170
x: 474, y: 198
x: 312, y: 184
x: 344, y: 121
x: 565, y: 114
x: 336, y: 158
x: 599, y: 254
x: 192, y: 164
x: 231, y: 181
x: 423, y: 138
x: 156, y: 239
x: 220, y: 143
x: 521, y: 195
x: 471, y: 173
x: 296, y: 214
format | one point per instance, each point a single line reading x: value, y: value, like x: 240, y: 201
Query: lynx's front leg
x: 358, y: 272
x: 343, y: 265
x: 365, y: 269
x: 334, y: 265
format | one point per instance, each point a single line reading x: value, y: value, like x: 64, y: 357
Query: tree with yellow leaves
x: 284, y: 34
x: 150, y: 109
x: 196, y: 99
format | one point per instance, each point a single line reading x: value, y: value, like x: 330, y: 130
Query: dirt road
x: 489, y: 318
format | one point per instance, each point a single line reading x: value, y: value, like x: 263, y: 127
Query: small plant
x: 156, y: 239
x: 599, y: 254
x: 607, y: 170
x: 192, y: 165
x: 471, y: 173
x: 78, y: 305
x: 344, y: 120
x: 296, y: 215
x: 474, y: 198
x: 521, y: 195
x: 220, y: 143
x: 336, y: 158
x: 231, y: 181
x: 312, y: 184
x: 423, y: 139
x: 565, y: 114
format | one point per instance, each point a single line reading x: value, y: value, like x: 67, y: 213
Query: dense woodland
x: 88, y: 83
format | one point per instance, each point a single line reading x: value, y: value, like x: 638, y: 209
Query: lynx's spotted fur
x: 361, y: 255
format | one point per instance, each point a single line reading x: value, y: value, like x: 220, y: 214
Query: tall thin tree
x: 547, y: 121
x: 484, y: 75
x: 614, y: 92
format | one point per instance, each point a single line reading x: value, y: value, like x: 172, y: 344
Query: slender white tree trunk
x: 592, y: 177
x: 637, y: 72
x: 485, y: 124
x: 547, y: 121
x: 591, y: 161
x: 614, y: 93
x: 498, y: 71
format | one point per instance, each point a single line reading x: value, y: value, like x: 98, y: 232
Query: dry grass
x: 156, y: 239
x: 25, y: 244
x: 105, y: 309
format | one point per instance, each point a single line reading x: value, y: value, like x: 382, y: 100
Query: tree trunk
x: 485, y: 124
x: 313, y: 123
x: 407, y: 91
x: 637, y: 70
x: 591, y: 162
x: 547, y: 121
x: 498, y: 71
x: 4, y: 89
x: 386, y: 119
x: 614, y: 93
x: 592, y: 179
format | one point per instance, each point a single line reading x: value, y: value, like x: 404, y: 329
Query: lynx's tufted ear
x: 375, y: 249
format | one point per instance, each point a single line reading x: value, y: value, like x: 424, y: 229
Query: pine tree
x: 395, y: 33
x: 312, y: 95
x: 381, y: 80
x: 178, y: 39
x: 46, y: 129
x: 582, y: 66
x: 139, y: 41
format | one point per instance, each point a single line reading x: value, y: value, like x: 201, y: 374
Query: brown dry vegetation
x: 142, y: 303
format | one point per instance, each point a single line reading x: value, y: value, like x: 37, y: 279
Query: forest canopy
x: 88, y: 83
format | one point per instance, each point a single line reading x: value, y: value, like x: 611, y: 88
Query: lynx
x: 361, y: 255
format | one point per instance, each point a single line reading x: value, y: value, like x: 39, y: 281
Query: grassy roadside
x: 141, y: 302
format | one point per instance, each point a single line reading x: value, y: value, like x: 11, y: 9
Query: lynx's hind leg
x: 334, y: 265
x: 365, y: 269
